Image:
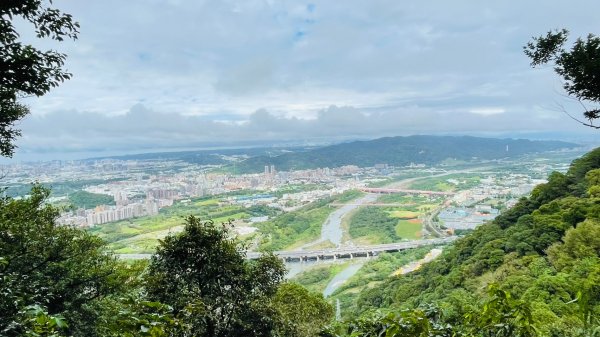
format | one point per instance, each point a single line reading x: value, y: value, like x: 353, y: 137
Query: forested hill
x: 400, y: 151
x: 544, y: 253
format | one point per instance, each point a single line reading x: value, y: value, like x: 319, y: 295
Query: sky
x: 154, y: 75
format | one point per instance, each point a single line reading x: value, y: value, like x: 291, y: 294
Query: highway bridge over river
x: 343, y: 252
x: 403, y: 190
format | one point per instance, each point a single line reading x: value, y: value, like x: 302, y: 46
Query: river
x: 332, y: 227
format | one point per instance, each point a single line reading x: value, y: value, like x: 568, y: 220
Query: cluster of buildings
x: 145, y: 194
x: 124, y: 209
x: 466, y: 217
x: 470, y: 208
x: 142, y: 188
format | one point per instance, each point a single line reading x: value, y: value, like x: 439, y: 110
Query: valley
x: 348, y: 208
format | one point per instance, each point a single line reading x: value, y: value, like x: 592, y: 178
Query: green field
x: 408, y: 229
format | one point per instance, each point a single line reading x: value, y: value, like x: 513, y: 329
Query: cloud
x: 142, y: 129
x: 158, y: 74
x: 487, y: 111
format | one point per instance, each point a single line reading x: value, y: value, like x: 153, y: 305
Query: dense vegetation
x: 373, y: 273
x: 541, y: 258
x: 60, y: 281
x: 402, y: 151
x: 374, y: 225
x: 83, y: 199
x: 58, y: 188
x: 535, y: 270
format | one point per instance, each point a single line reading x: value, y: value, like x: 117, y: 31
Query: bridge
x: 349, y: 252
x: 401, y: 190
x: 343, y: 252
x: 373, y: 204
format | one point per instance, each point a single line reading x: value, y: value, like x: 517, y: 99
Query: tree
x: 307, y: 312
x: 579, y: 68
x: 25, y: 70
x: 59, y: 271
x: 203, y: 275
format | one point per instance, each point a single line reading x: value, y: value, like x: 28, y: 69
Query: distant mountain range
x: 401, y: 151
x: 205, y: 157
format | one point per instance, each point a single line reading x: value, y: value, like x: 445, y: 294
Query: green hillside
x: 544, y: 254
x: 400, y: 151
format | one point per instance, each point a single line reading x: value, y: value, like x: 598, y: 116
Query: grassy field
x: 409, y: 229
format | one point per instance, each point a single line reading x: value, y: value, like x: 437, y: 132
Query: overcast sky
x: 165, y: 74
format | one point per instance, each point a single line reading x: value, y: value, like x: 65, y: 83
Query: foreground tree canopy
x: 25, y: 70
x: 579, y: 68
x: 60, y: 281
x: 49, y: 272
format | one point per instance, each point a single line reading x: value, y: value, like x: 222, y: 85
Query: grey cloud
x: 144, y: 129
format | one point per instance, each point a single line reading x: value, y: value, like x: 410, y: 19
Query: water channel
x: 332, y: 228
x: 332, y: 231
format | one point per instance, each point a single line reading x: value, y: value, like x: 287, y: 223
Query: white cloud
x: 487, y: 111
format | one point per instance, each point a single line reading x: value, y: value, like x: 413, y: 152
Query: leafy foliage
x: 579, y: 67
x: 306, y: 312
x: 202, y: 269
x: 534, y: 271
x: 500, y: 316
x: 63, y: 270
x: 25, y: 70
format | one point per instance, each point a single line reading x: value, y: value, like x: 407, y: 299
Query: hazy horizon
x: 583, y: 140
